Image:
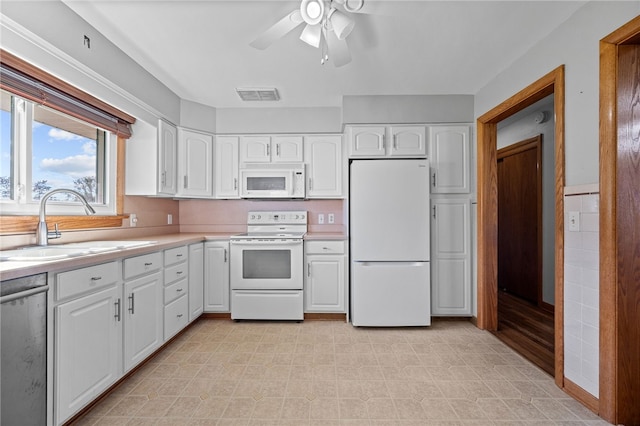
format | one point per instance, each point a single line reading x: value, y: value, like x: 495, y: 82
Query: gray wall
x: 576, y: 45
x: 104, y: 70
x: 278, y: 120
x: 407, y: 109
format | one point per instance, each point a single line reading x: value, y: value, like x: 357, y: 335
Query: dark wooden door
x: 520, y: 219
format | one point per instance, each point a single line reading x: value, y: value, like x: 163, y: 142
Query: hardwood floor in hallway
x: 527, y: 329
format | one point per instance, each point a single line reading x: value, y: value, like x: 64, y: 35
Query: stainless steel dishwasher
x: 23, y: 315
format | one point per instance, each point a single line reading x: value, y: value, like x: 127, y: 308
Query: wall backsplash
x: 231, y: 215
x: 581, y: 289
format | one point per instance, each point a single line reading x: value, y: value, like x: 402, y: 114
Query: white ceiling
x: 200, y: 49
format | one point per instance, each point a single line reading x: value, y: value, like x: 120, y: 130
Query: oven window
x: 269, y: 264
x: 274, y: 183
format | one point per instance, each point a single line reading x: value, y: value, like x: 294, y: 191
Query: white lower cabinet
x: 176, y: 290
x: 88, y: 350
x: 450, y: 257
x: 216, y: 276
x: 325, y: 276
x: 196, y: 280
x: 87, y: 336
x: 142, y: 305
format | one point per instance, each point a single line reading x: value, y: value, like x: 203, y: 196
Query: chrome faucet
x: 42, y: 232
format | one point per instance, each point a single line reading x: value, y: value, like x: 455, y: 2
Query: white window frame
x: 23, y: 204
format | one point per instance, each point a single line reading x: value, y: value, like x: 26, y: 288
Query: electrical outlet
x: 133, y: 220
x: 331, y: 218
x: 169, y: 219
x: 321, y: 218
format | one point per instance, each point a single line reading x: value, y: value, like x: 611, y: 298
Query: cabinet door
x: 143, y: 308
x: 451, y: 257
x: 196, y: 280
x: 286, y: 149
x: 195, y: 154
x: 367, y: 141
x: 324, y: 166
x: 88, y: 343
x: 216, y: 274
x: 324, y: 289
x: 255, y: 149
x: 408, y: 141
x: 449, y: 157
x: 226, y: 166
x: 167, y: 158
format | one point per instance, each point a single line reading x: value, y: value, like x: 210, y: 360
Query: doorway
x: 487, y: 125
x: 525, y: 321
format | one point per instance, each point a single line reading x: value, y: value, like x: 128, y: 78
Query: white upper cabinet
x: 151, y: 160
x: 387, y: 141
x: 271, y: 149
x: 195, y: 164
x: 449, y: 159
x: 407, y: 141
x: 168, y: 142
x: 323, y: 157
x: 226, y: 160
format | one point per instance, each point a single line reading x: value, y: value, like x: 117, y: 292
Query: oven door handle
x: 266, y: 242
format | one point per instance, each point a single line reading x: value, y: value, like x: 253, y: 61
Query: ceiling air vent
x: 261, y: 94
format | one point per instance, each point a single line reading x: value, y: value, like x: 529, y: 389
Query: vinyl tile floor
x: 330, y: 373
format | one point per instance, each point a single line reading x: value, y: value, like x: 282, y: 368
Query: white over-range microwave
x: 272, y: 181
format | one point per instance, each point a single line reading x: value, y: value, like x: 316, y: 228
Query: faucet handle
x: 52, y: 235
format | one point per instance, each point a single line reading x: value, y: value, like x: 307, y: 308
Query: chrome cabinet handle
x: 310, y: 184
x: 96, y: 278
x: 225, y: 255
x: 186, y: 181
x: 308, y: 269
x: 179, y: 315
x: 277, y: 150
x: 268, y: 150
x: 395, y: 142
x: 434, y: 178
x: 235, y: 184
x: 148, y: 263
x: 434, y: 211
x: 178, y: 290
x: 117, y: 306
x: 131, y: 304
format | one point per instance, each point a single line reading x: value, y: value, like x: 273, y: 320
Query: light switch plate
x: 321, y: 218
x: 574, y: 221
x: 133, y: 220
x: 331, y: 218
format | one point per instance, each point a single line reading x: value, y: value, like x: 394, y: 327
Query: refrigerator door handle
x: 387, y: 264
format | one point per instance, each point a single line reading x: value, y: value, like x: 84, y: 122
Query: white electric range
x: 267, y: 266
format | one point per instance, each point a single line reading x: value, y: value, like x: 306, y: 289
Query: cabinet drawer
x: 176, y: 272
x: 176, y: 255
x: 140, y: 265
x: 175, y: 290
x: 85, y: 280
x: 325, y: 247
x: 176, y: 315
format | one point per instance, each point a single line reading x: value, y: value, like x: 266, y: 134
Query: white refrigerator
x: 389, y: 237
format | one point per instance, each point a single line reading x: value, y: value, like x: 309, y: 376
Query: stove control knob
x: 259, y: 217
x: 253, y: 216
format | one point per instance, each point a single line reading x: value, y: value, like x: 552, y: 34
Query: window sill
x: 27, y: 224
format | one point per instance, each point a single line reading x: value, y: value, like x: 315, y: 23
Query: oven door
x: 267, y: 264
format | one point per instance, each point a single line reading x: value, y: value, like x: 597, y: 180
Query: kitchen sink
x: 42, y: 253
x: 63, y: 251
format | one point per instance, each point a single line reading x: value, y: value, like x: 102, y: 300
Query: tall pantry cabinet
x: 451, y: 194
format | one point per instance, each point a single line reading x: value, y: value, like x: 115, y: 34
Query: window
x: 55, y: 135
x: 44, y: 149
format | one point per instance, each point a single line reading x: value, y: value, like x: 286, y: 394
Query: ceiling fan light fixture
x: 312, y: 11
x: 341, y: 23
x: 312, y: 35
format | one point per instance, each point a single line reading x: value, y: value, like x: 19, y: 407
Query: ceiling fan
x: 327, y: 27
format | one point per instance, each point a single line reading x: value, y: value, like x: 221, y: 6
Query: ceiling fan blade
x: 277, y: 30
x: 338, y: 49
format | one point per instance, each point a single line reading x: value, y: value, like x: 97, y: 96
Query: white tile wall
x: 581, y: 292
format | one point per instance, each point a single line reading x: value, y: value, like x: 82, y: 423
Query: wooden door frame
x: 610, y: 391
x: 487, y: 128
x: 516, y: 148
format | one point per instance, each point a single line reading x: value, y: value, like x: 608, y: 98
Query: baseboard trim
x: 581, y: 395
